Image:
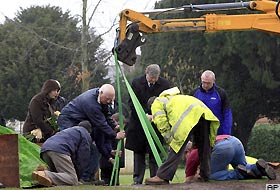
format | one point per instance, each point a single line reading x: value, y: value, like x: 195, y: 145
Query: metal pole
x: 216, y: 7
x: 203, y: 7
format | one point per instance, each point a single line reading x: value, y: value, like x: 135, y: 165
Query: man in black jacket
x: 144, y: 86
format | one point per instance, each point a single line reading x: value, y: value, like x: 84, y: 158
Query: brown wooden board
x: 9, y: 160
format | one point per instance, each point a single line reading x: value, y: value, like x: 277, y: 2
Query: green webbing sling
x: 147, y: 127
x: 115, y: 171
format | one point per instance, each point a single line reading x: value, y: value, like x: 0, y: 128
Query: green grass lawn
x: 125, y: 180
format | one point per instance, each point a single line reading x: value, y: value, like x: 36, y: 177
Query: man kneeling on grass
x: 228, y: 150
x: 66, y: 154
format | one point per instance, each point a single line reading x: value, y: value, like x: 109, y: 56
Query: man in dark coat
x: 67, y: 154
x: 92, y: 105
x: 107, y: 148
x: 144, y: 87
x: 41, y: 108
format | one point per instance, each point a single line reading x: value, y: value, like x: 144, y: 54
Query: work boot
x: 265, y: 169
x: 246, y: 173
x: 42, y: 179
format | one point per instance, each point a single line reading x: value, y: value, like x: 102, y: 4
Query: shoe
x: 202, y: 179
x: 195, y: 179
x: 1, y: 185
x: 156, y: 181
x: 189, y: 179
x: 42, y: 179
x: 84, y: 182
x: 246, y: 173
x: 265, y: 169
x: 136, y: 183
x: 99, y: 182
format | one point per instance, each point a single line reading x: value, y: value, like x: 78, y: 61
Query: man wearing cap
x: 66, y: 154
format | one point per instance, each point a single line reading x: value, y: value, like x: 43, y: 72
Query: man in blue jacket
x: 215, y: 98
x: 92, y: 105
x: 66, y: 154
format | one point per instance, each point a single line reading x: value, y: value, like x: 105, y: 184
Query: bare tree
x: 84, y: 40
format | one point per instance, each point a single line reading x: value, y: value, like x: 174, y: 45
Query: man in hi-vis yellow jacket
x: 178, y: 117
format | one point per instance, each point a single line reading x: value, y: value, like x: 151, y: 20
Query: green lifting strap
x: 147, y: 127
x: 115, y: 171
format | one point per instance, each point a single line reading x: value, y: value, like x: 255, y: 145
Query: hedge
x: 264, y: 142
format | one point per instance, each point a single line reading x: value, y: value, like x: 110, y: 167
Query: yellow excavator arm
x: 129, y: 36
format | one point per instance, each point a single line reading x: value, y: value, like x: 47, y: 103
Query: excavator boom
x: 265, y: 18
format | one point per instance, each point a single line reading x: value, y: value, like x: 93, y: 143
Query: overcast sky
x: 106, y: 13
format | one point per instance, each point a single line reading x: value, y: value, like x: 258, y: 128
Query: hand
x: 117, y: 128
x: 113, y: 153
x: 185, y: 155
x: 150, y: 117
x: 120, y: 135
x: 111, y: 160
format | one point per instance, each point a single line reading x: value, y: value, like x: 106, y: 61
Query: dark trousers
x: 200, y: 134
x: 106, y: 176
x: 140, y: 167
x: 201, y: 140
x: 92, y: 167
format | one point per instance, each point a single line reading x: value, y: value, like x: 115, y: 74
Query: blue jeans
x: 228, y: 151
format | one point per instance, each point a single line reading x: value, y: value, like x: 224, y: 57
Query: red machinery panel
x: 9, y: 160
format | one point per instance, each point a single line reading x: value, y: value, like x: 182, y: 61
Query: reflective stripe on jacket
x: 176, y: 115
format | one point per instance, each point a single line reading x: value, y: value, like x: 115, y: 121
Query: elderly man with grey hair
x: 92, y: 105
x: 144, y: 86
